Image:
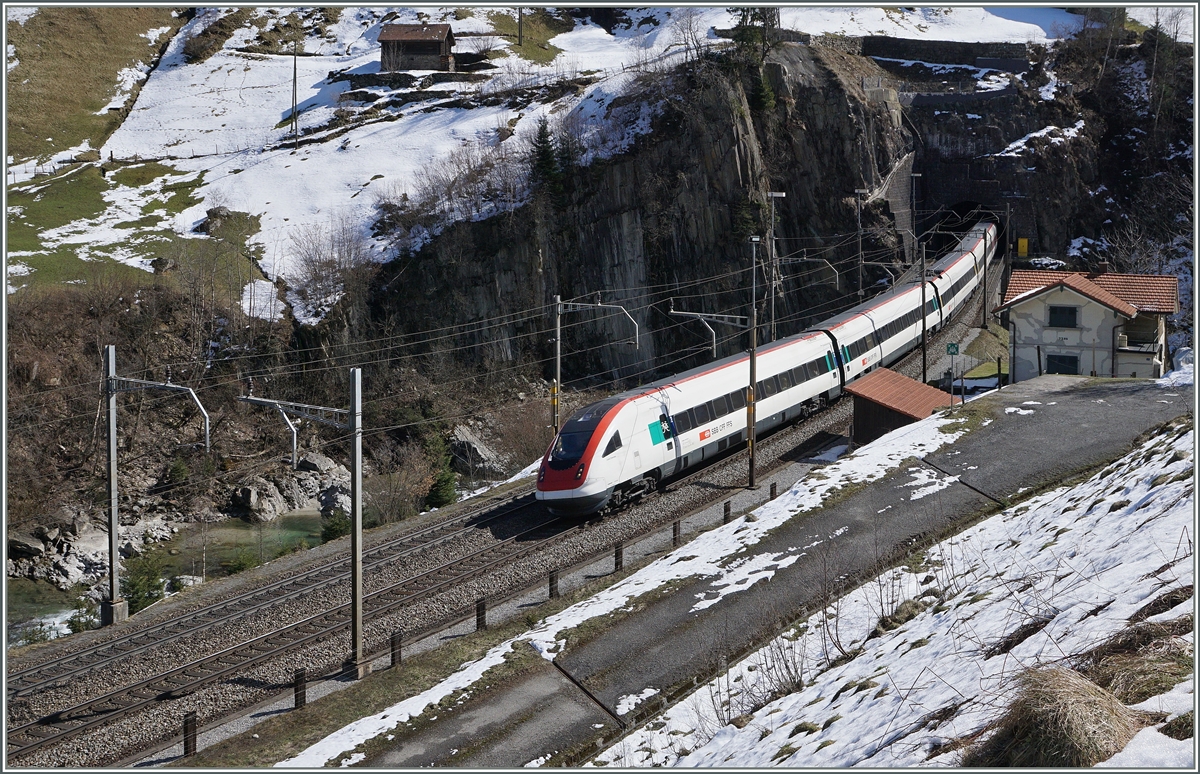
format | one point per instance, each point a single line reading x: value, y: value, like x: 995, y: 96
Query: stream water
x: 38, y: 610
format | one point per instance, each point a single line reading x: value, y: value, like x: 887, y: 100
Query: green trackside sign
x: 951, y: 349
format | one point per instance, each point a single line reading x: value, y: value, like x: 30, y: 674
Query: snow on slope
x: 227, y: 117
x: 1102, y: 556
x: 1084, y: 558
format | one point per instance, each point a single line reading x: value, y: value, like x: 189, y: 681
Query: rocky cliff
x: 669, y: 218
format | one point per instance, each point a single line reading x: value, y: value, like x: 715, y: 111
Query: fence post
x: 189, y: 734
x: 481, y: 615
x: 554, y: 584
x: 675, y: 533
x: 397, y: 636
x: 619, y: 557
x: 774, y: 490
x: 728, y: 512
x: 300, y: 687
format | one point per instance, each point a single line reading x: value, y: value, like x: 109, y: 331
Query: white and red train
x: 622, y: 447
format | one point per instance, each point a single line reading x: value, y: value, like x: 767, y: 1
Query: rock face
x: 678, y: 207
x: 317, y: 478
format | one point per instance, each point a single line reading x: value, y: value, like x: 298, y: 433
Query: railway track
x: 30, y: 680
x: 191, y: 677
x: 199, y: 674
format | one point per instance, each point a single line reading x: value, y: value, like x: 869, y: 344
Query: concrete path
x: 1042, y: 431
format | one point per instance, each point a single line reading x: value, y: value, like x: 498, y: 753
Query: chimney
x: 1103, y: 269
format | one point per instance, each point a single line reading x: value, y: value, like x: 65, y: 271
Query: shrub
x: 177, y: 472
x: 85, y: 617
x: 1058, y: 718
x: 143, y: 582
x: 245, y: 559
x: 335, y: 525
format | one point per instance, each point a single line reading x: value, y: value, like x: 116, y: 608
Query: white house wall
x: 1091, y: 342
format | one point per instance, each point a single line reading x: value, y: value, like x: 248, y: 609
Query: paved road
x: 1055, y: 426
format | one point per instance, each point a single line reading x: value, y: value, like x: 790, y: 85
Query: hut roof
x: 416, y: 33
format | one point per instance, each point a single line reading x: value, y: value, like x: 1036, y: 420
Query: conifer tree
x: 545, y: 174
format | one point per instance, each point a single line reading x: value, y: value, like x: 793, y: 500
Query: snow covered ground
x: 225, y: 121
x: 1069, y: 551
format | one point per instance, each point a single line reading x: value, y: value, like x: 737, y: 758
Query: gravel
x: 143, y: 729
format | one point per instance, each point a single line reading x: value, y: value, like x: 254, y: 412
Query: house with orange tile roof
x: 1091, y: 323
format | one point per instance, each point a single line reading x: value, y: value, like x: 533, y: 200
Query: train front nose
x: 569, y: 492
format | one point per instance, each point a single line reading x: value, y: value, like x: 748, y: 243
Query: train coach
x: 622, y: 447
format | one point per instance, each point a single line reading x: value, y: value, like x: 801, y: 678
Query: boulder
x: 473, y: 457
x: 25, y: 546
x: 316, y: 462
x: 334, y: 497
x: 260, y: 501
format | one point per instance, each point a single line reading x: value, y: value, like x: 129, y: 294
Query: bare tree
x: 688, y: 26
x: 326, y: 255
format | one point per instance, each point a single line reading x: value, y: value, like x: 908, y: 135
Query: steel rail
x: 101, y: 710
x: 81, y: 662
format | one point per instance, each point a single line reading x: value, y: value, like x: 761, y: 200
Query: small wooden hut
x: 416, y: 47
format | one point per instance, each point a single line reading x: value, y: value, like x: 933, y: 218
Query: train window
x: 800, y: 373
x: 768, y: 387
x: 738, y: 399
x: 568, y: 449
x: 785, y: 381
x: 683, y: 422
x: 701, y: 413
x: 722, y: 404
x: 613, y: 444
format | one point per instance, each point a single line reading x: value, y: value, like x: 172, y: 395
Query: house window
x: 1064, y: 317
x: 1062, y: 364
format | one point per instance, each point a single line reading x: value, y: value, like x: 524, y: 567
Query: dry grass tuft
x: 1059, y: 718
x: 1142, y: 660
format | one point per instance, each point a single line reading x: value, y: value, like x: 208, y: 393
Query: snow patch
x: 625, y: 704
x: 20, y: 15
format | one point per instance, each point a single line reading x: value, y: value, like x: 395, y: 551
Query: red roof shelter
x: 885, y: 400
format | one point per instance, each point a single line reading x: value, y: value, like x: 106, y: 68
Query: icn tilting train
x: 621, y: 447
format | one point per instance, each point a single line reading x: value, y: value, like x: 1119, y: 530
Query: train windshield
x: 572, y: 441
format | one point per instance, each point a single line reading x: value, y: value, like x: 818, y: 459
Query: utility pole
x: 775, y: 278
x: 295, y: 97
x: 753, y: 347
x: 349, y: 420
x: 361, y: 666
x: 924, y: 321
x: 520, y: 26
x: 576, y: 306
x: 858, y: 194
x: 116, y: 609
x: 912, y: 213
x: 986, y: 303
x: 556, y: 386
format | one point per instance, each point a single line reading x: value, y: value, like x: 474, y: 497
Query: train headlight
x: 579, y: 472
x: 542, y: 473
